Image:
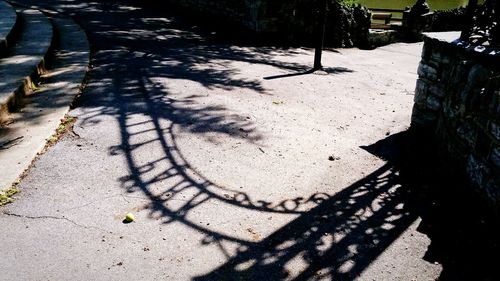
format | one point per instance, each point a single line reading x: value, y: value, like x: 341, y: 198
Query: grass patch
x: 66, y: 126
x: 6, y: 195
x: 34, y: 87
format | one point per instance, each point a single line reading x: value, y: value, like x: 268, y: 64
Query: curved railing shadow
x: 337, y: 240
x: 189, y: 180
x: 131, y: 63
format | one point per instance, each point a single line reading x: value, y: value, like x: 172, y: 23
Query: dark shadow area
x: 346, y: 232
x: 464, y: 232
x: 337, y: 240
x: 9, y: 142
x: 341, y: 236
x: 135, y: 49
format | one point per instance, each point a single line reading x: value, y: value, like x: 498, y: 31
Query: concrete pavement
x: 237, y: 165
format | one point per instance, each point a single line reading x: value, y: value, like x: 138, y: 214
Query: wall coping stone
x: 487, y: 55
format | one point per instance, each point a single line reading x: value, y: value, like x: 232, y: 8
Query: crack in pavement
x: 97, y: 201
x: 56, y: 218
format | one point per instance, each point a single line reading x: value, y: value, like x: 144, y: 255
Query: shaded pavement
x: 236, y: 167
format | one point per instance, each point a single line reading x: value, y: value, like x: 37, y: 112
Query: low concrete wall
x: 457, y: 98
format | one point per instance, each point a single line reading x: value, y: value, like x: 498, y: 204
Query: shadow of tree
x: 133, y: 41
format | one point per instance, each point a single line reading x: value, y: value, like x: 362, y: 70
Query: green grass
x: 66, y: 125
x: 6, y: 195
x: 34, y: 87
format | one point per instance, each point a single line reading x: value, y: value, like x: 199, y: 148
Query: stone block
x: 492, y: 187
x: 436, y: 57
x: 433, y: 103
x: 484, y: 178
x: 495, y: 104
x: 427, y: 71
x: 483, y: 142
x: 495, y: 130
x: 422, y: 118
x: 464, y: 95
x: 426, y: 50
x: 449, y: 112
x: 478, y: 75
x: 459, y: 72
x: 421, y: 92
x: 445, y: 59
x: 477, y: 171
x: 495, y: 157
x: 437, y: 90
x: 467, y: 132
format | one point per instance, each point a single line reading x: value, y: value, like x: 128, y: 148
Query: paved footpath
x: 236, y: 167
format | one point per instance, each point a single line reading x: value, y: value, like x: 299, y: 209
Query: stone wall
x: 457, y: 98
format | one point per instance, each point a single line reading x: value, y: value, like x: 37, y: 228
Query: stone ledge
x: 451, y: 39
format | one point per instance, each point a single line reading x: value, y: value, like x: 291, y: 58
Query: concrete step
x: 8, y: 20
x: 29, y: 129
x: 24, y: 61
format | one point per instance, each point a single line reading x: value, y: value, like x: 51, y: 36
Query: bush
x: 449, y: 20
x: 347, y: 25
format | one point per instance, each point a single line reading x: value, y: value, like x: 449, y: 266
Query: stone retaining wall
x: 457, y: 98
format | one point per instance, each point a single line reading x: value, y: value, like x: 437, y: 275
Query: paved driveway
x: 237, y: 164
